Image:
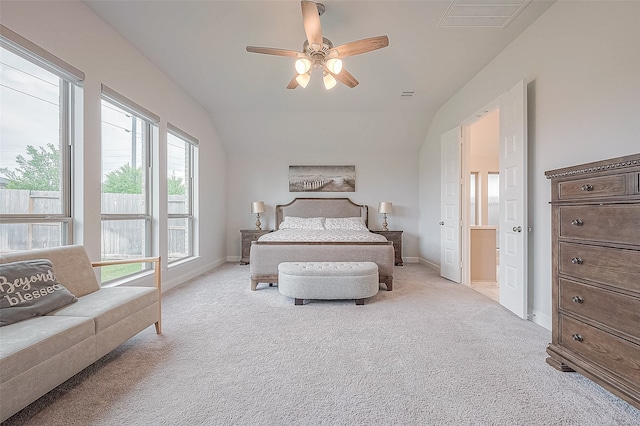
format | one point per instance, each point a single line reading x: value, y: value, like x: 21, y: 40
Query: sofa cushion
x: 29, y: 289
x: 110, y: 304
x: 71, y: 265
x: 30, y: 342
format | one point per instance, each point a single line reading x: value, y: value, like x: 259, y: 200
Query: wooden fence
x: 120, y: 238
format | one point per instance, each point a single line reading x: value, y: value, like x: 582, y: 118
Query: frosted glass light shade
x: 258, y: 207
x: 334, y: 65
x: 329, y: 81
x: 385, y: 207
x: 303, y: 65
x: 303, y: 79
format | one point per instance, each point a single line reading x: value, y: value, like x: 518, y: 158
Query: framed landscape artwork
x: 322, y: 178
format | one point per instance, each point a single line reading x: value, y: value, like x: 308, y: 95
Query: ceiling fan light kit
x: 303, y: 79
x: 329, y: 81
x: 318, y: 52
x: 303, y: 65
x: 334, y: 65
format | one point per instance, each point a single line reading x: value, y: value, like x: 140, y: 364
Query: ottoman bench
x: 328, y: 280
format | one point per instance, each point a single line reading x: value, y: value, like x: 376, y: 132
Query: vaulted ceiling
x: 201, y: 46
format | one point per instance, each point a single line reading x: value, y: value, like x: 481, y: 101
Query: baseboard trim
x: 541, y: 319
x: 190, y: 274
x: 429, y: 265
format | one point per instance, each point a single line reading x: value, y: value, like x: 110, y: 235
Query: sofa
x: 39, y: 353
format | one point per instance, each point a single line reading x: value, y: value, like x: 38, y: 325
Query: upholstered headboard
x: 321, y: 207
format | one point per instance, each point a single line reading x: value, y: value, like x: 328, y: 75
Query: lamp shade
x: 334, y: 65
x: 303, y: 65
x: 329, y: 81
x: 258, y: 207
x: 303, y: 79
x: 385, y: 207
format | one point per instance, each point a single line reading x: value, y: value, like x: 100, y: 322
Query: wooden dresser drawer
x: 615, y: 310
x: 603, y: 186
x: 606, y: 349
x: 613, y: 223
x: 615, y: 267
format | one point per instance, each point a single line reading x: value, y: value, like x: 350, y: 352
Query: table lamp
x: 385, y: 207
x: 257, y: 207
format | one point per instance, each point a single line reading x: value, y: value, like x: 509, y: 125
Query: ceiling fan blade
x: 360, y: 46
x: 311, y: 22
x: 273, y: 51
x: 293, y: 83
x: 344, y: 77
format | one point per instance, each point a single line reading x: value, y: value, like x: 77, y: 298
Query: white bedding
x: 326, y: 235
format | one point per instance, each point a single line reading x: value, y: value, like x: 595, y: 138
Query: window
x: 126, y: 183
x: 493, y: 199
x: 473, y: 199
x: 181, y: 160
x: 37, y: 92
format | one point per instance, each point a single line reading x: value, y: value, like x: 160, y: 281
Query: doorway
x: 513, y: 223
x: 483, y: 213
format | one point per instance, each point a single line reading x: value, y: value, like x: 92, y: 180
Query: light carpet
x: 430, y: 352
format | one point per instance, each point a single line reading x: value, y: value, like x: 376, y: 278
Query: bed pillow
x: 307, y: 223
x: 345, y: 223
x: 28, y: 289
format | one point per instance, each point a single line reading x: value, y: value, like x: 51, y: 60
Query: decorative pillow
x: 345, y: 223
x: 28, y: 289
x: 308, y: 223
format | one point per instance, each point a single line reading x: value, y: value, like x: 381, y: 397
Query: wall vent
x: 481, y: 13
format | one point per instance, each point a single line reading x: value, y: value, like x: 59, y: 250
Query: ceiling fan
x: 318, y: 52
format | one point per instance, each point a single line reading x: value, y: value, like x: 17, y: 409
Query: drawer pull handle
x: 587, y: 187
x: 577, y: 338
x: 576, y: 261
x: 577, y: 299
x: 577, y: 222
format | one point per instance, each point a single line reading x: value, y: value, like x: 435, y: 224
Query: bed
x: 319, y: 245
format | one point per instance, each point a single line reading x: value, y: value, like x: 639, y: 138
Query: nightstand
x: 396, y: 238
x: 249, y: 235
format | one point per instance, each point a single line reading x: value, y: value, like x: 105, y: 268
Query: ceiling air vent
x: 407, y: 95
x: 482, y: 13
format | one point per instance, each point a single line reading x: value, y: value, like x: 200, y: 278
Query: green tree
x: 175, y: 185
x: 39, y: 172
x: 125, y: 180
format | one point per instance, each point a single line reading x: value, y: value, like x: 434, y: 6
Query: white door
x: 450, y: 204
x: 513, y: 200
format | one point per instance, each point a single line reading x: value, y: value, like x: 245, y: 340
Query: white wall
x: 383, y: 173
x: 71, y: 31
x: 378, y: 178
x: 581, y: 61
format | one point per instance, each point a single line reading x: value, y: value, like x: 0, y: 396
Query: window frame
x: 191, y: 144
x: 70, y: 81
x: 150, y: 122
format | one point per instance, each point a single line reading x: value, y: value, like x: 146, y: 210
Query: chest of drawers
x: 596, y: 273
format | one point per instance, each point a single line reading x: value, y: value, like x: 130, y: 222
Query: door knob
x: 441, y: 223
x: 517, y: 229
